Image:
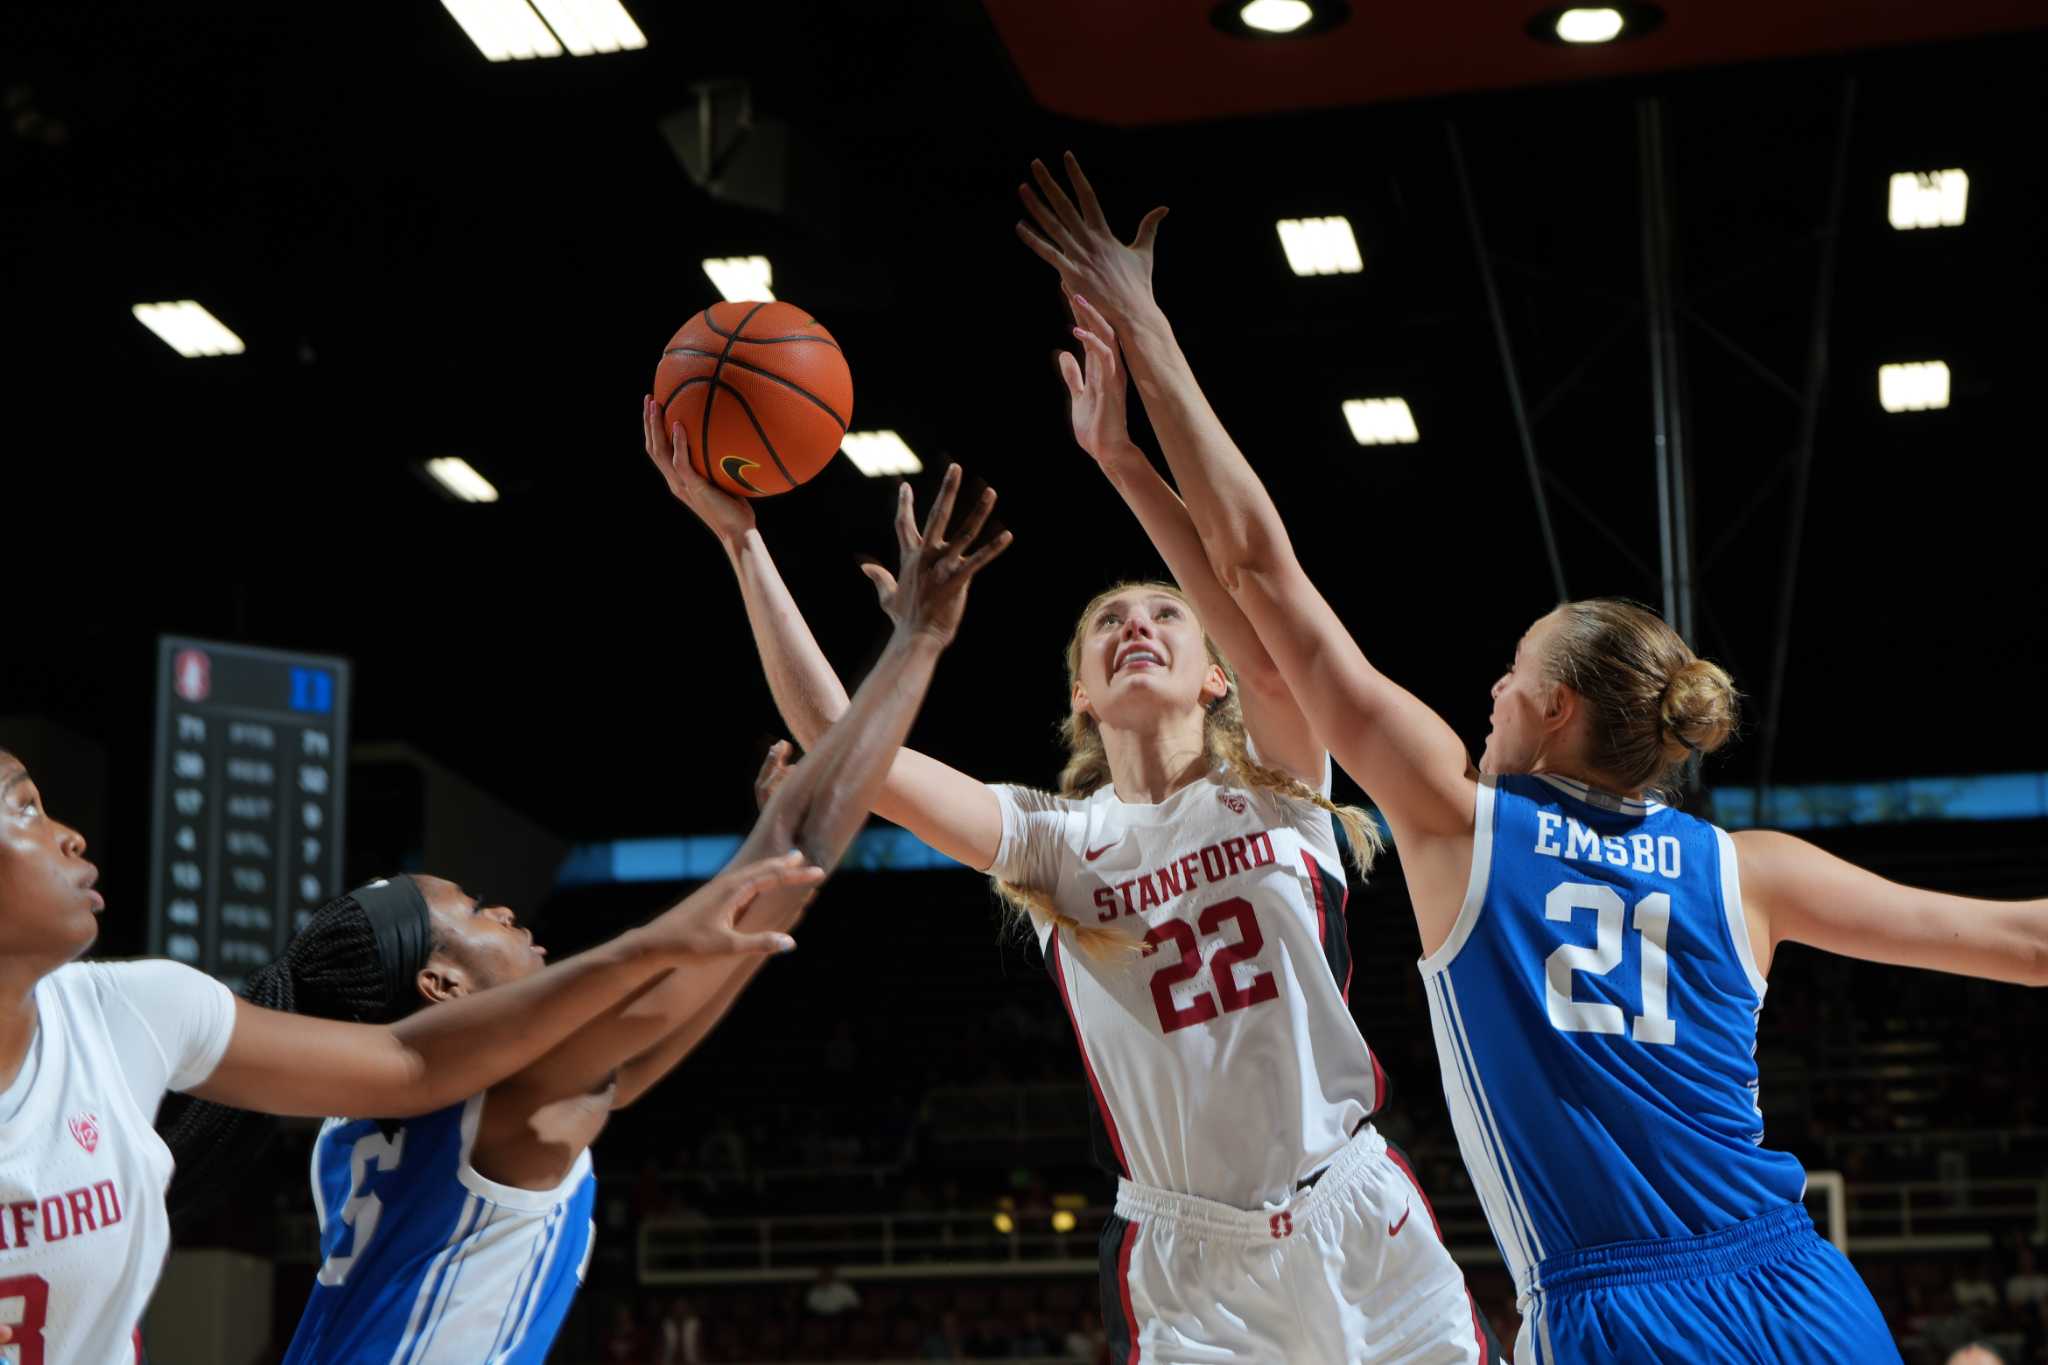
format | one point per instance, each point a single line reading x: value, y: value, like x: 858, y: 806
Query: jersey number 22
x: 1201, y: 1008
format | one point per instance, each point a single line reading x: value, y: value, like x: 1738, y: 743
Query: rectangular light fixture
x: 587, y: 26
x: 504, y: 30
x: 1381, y: 421
x: 188, y: 329
x: 456, y: 475
x: 1926, y: 199
x: 879, y: 454
x: 1320, y: 246
x: 741, y: 279
x: 1914, y: 387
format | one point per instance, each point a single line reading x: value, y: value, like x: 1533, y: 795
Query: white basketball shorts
x: 1351, y: 1269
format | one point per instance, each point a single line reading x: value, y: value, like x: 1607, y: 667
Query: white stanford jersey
x: 83, y: 1232
x: 1221, y: 1052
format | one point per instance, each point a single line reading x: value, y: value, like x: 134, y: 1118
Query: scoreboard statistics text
x: 246, y: 820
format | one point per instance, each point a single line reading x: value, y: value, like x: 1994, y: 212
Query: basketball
x: 762, y: 392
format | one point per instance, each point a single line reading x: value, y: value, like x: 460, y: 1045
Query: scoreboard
x: 246, y: 812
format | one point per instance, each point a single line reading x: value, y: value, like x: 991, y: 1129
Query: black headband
x: 399, y: 919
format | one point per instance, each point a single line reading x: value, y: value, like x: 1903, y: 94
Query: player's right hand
x: 1096, y: 388
x: 706, y: 922
x: 669, y: 448
x: 928, y: 591
x: 1075, y: 239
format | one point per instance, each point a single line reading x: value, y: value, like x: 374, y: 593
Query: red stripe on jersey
x: 1315, y: 888
x: 1400, y: 1159
x: 138, y: 1346
x: 1116, y: 1141
x: 1315, y: 883
x: 1123, y: 1288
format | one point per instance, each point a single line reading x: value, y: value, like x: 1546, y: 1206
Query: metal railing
x: 1879, y: 1217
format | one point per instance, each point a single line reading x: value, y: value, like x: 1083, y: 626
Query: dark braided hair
x: 329, y: 970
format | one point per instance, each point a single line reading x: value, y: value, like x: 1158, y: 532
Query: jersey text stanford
x: 1208, y: 865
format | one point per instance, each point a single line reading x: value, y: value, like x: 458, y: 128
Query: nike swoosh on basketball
x: 1092, y: 854
x: 1394, y: 1229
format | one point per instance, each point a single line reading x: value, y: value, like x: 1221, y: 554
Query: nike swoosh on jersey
x: 1092, y: 854
x: 1394, y: 1229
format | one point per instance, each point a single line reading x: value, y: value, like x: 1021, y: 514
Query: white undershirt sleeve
x: 170, y: 1024
x: 1034, y: 837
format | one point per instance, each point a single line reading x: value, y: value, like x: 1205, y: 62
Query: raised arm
x: 1794, y: 892
x: 1095, y: 390
x: 819, y: 805
x: 1398, y: 749
x: 943, y: 806
x: 291, y: 1064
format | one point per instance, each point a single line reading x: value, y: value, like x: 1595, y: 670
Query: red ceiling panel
x: 1131, y: 62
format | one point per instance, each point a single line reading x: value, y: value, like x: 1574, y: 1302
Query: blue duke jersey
x: 1595, y: 1014
x: 423, y: 1260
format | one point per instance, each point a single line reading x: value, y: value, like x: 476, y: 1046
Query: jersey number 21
x: 1652, y: 921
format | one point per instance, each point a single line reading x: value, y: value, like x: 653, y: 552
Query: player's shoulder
x: 1036, y: 800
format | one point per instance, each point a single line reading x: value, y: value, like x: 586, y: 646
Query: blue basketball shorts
x: 1769, y: 1291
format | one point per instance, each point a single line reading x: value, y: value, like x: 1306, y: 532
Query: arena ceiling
x: 427, y: 254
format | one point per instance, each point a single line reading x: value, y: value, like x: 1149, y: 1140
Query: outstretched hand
x: 727, y: 516
x: 1095, y: 386
x: 1078, y: 243
x: 928, y: 591
x: 706, y: 922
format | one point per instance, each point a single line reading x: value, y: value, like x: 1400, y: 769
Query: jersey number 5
x: 1653, y: 922
x: 25, y: 1307
x: 363, y: 1209
x: 1201, y: 1008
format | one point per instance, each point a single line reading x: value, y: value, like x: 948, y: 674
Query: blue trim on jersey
x: 1587, y: 1111
x: 426, y: 1262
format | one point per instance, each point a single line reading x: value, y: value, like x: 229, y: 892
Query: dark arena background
x: 1630, y: 308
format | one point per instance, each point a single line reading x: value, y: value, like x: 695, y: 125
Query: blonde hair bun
x: 1699, y: 707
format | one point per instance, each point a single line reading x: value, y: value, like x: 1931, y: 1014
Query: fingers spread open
x: 1056, y: 232
x: 1148, y: 229
x: 1089, y: 316
x: 976, y: 518
x: 906, y: 517
x: 974, y: 563
x: 1070, y: 370
x: 1044, y: 250
x: 884, y: 581
x: 1091, y: 207
x: 1057, y: 197
x: 942, y: 509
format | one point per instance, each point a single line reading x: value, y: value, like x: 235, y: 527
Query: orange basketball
x: 762, y: 392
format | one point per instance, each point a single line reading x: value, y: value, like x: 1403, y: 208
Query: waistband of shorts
x: 1140, y: 1203
x: 1722, y: 1251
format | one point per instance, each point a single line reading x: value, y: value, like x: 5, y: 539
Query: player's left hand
x: 1078, y: 243
x: 928, y: 591
x: 706, y: 922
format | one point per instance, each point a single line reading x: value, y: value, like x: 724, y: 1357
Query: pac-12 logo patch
x: 86, y: 1129
x: 1234, y: 801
